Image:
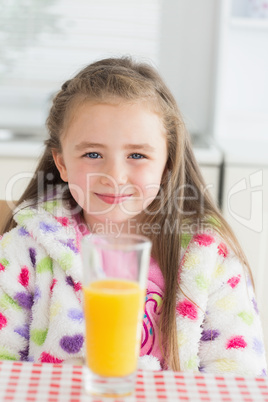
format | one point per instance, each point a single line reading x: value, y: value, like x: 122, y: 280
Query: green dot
x: 66, y: 260
x: 191, y: 363
x: 44, y: 265
x: 202, y: 282
x: 213, y: 221
x: 185, y: 239
x: 4, y: 262
x: 6, y: 302
x: 38, y: 336
x: 248, y: 318
x: 5, y: 355
x: 24, y: 215
x: 49, y: 206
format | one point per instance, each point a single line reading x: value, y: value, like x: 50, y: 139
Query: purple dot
x: 23, y: 331
x: 210, y: 335
x: 258, y: 346
x: 70, y: 244
x: 249, y: 282
x: 32, y: 253
x: 201, y: 369
x: 48, y: 228
x: 24, y: 300
x: 69, y: 281
x: 72, y: 344
x: 255, y: 305
x: 37, y: 293
x: 24, y: 354
x: 76, y: 314
x: 23, y: 232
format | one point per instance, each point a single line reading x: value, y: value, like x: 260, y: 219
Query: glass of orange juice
x: 114, y: 284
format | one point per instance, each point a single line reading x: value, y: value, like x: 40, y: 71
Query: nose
x: 115, y: 174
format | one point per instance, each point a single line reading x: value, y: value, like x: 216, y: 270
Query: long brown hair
x: 122, y: 78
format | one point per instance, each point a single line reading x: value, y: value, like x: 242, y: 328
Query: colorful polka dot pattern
x: 216, y: 324
x: 213, y: 336
x: 36, y: 283
x: 229, y: 321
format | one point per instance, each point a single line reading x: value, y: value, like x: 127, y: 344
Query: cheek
x: 149, y: 185
x: 78, y: 184
x: 152, y: 183
x: 150, y: 195
x: 77, y: 173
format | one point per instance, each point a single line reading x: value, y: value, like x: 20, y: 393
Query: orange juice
x: 113, y: 311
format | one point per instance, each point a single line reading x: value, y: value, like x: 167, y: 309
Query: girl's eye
x: 137, y: 156
x: 92, y: 155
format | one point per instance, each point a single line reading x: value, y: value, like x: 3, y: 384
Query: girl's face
x: 113, y: 158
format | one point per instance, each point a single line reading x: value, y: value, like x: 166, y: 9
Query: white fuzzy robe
x: 41, y: 316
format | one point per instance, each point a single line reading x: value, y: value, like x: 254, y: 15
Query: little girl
x: 119, y: 160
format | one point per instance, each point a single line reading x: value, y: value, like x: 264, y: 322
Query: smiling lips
x: 112, y: 198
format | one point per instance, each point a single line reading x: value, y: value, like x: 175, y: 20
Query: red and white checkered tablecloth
x: 55, y: 383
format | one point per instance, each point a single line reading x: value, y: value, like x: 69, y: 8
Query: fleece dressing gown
x: 41, y: 315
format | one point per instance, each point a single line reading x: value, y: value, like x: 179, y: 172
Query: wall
x: 187, y: 57
x: 185, y: 53
x: 44, y: 43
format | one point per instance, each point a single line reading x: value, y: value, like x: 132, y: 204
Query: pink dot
x: 24, y: 276
x: 187, y: 309
x: 77, y: 286
x: 3, y: 321
x: 222, y: 250
x: 53, y: 284
x: 47, y: 358
x: 63, y: 220
x: 2, y: 267
x: 203, y: 239
x: 236, y: 342
x: 234, y: 281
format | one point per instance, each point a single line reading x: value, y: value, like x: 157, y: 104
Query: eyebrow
x: 82, y: 145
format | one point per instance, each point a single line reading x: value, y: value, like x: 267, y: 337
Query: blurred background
x: 212, y: 54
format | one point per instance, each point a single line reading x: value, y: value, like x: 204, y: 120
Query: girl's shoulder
x: 47, y: 233
x: 46, y: 216
x: 208, y: 242
x: 207, y: 255
x: 44, y: 223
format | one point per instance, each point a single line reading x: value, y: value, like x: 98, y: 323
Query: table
x: 33, y: 382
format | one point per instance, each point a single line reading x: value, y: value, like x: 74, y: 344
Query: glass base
x: 95, y: 384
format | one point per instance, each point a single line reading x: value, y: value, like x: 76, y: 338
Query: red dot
x: 3, y: 321
x: 24, y: 276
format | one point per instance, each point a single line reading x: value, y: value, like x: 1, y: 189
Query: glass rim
x: 140, y: 242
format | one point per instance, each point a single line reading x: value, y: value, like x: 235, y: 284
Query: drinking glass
x: 114, y: 284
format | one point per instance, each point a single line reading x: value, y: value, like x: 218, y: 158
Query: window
x: 45, y: 42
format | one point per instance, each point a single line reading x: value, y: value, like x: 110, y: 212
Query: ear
x: 59, y: 162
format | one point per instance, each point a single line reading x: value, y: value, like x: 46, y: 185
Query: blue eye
x: 92, y: 155
x: 137, y: 156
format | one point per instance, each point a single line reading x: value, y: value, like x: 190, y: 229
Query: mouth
x: 113, y: 198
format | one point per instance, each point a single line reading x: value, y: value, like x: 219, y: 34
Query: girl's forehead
x: 83, y: 106
x: 117, y: 122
